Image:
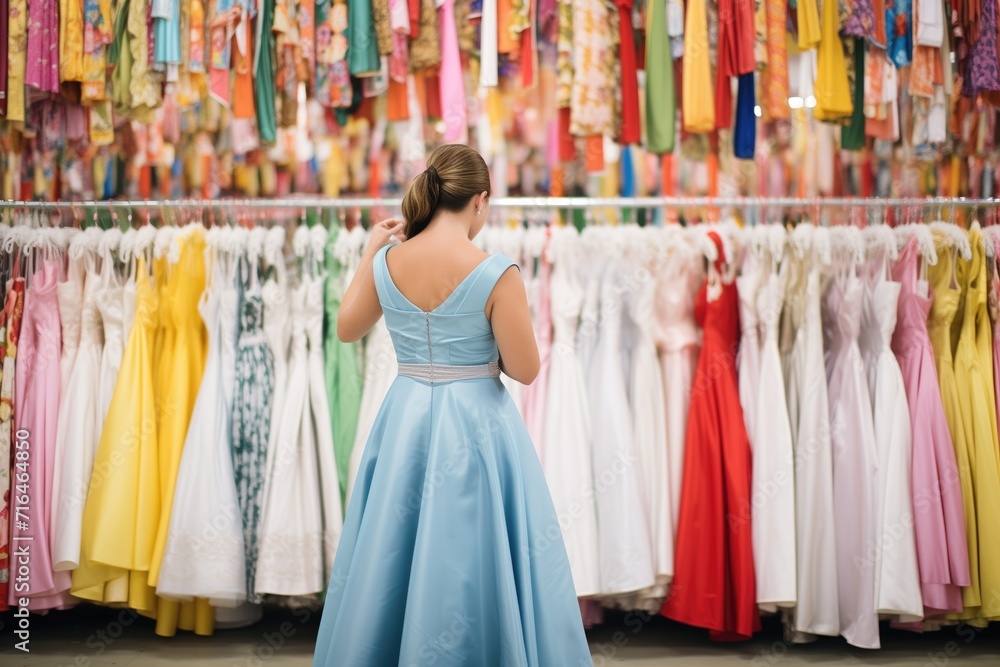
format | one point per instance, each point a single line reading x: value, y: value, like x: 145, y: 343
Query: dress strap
x: 381, y: 273
x: 481, y: 285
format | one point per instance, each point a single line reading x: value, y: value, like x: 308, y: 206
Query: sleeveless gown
x: 446, y: 554
x: 714, y: 584
x: 938, y: 514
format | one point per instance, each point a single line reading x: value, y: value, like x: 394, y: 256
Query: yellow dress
x: 697, y: 97
x: 163, y: 341
x: 182, y: 364
x: 71, y: 40
x: 119, y: 517
x: 947, y: 295
x: 974, y: 375
x: 833, y: 96
x: 17, y: 50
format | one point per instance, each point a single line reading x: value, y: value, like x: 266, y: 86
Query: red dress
x: 713, y: 584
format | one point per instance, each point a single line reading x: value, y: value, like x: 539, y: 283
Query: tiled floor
x: 90, y: 636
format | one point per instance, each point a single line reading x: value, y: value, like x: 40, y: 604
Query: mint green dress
x: 343, y: 377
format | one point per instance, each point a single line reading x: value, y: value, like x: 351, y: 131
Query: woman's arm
x: 360, y: 307
x: 510, y: 318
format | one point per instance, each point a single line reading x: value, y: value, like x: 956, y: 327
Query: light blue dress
x: 451, y: 553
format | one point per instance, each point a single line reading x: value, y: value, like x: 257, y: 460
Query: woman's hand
x: 384, y: 233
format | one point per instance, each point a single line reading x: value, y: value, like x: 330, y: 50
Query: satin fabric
x: 943, y: 312
x: 938, y: 515
x: 714, y: 585
x: 974, y: 375
x: 451, y: 552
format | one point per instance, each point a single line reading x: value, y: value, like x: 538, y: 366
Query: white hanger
x: 880, y: 238
x: 846, y: 240
x: 925, y: 240
x: 956, y: 237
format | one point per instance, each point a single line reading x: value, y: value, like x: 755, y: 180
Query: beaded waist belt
x: 439, y: 373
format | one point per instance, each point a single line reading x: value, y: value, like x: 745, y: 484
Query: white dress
x: 678, y: 342
x: 319, y: 417
x: 69, y: 295
x: 817, y: 610
x: 302, y: 514
x: 748, y: 357
x: 855, y: 459
x: 111, y: 304
x: 649, y: 424
x: 380, y: 371
x: 204, y: 555
x: 897, y: 576
x: 624, y: 540
x: 277, y: 331
x: 568, y: 458
x: 773, y: 487
x: 82, y: 416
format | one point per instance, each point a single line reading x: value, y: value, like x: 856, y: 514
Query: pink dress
x: 36, y: 407
x: 535, y: 393
x: 43, y: 46
x: 855, y: 458
x: 939, y: 517
x: 678, y: 343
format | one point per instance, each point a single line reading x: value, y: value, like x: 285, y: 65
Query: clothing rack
x: 516, y: 202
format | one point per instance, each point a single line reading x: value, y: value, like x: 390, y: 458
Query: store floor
x: 90, y: 636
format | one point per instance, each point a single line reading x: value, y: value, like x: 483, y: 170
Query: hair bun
x: 433, y: 173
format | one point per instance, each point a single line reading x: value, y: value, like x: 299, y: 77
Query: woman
x: 451, y: 552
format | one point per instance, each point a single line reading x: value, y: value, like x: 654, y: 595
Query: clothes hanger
x: 879, y: 238
x: 955, y: 237
x: 924, y: 236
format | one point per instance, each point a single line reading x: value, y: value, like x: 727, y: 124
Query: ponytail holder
x: 433, y: 173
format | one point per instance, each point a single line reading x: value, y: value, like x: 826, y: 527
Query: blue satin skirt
x: 451, y: 554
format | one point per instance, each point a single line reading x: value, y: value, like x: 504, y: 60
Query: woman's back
x: 440, y: 537
x: 456, y: 332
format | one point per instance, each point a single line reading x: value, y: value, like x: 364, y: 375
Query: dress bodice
x: 719, y: 318
x: 457, y: 332
x: 747, y: 285
x: 716, y: 309
x: 565, y: 293
x: 314, y: 308
x: 111, y: 304
x: 297, y: 314
x: 770, y: 297
x: 251, y: 317
x: 69, y: 294
x: 44, y: 298
x: 91, y: 328
x: 842, y: 315
x: 674, y: 304
x: 191, y: 270
x: 879, y: 316
x: 947, y: 297
x: 915, y: 301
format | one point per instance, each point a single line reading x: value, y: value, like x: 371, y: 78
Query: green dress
x: 343, y: 377
x: 267, y: 124
x: 661, y: 105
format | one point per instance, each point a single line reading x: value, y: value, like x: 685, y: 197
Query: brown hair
x: 455, y: 174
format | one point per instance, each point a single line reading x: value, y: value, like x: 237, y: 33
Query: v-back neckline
x: 458, y: 288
